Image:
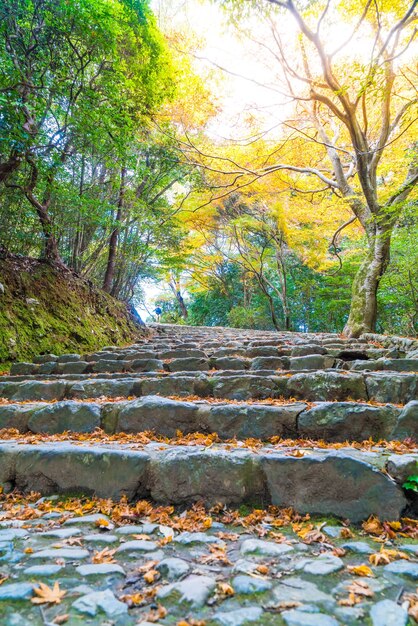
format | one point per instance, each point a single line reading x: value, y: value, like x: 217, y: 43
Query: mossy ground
x: 43, y: 310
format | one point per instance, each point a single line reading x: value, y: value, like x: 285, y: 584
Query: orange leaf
x: 48, y: 595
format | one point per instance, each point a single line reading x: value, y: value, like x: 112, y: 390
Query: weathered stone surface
x: 311, y: 362
x: 98, y: 388
x: 264, y: 548
x: 323, y: 386
x: 181, y: 353
x: 16, y: 591
x: 73, y: 554
x: 388, y: 613
x: 403, y: 568
x: 104, y: 601
x: 137, y: 545
x: 295, y: 589
x: 269, y: 363
x: 250, y: 420
x: 169, y: 386
x: 332, y: 483
x: 193, y: 590
x: 67, y: 468
x: 238, y: 616
x: 65, y: 415
x: 302, y: 618
x: 341, y: 421
x: 162, y: 415
x: 322, y: 565
x: 230, y: 363
x: 248, y: 584
x: 407, y: 424
x: 308, y: 349
x: 173, y: 568
x: 245, y: 387
x: 17, y: 415
x: 147, y: 365
x: 190, y: 364
x: 100, y: 569
x: 18, y: 369
x: 77, y: 367
x: 391, y: 387
x: 400, y: 466
x: 205, y: 474
x: 34, y: 390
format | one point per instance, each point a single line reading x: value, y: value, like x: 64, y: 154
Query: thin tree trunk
x: 363, y: 310
x: 113, y: 241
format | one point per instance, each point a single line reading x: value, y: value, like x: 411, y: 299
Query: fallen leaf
x: 225, y: 589
x: 352, y: 600
x: 360, y: 570
x: 48, y: 595
x: 373, y: 526
x: 104, y: 556
x: 361, y: 588
x: 61, y: 619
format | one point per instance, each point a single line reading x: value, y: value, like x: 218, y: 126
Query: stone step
x: 321, y: 385
x: 225, y: 359
x: 328, y: 421
x: 345, y: 483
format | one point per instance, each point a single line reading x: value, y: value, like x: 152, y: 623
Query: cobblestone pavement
x: 256, y: 568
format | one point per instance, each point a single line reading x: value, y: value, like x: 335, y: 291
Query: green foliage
x: 411, y: 483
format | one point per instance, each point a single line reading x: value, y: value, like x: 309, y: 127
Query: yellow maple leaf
x: 104, y: 556
x: 48, y: 595
x: 360, y: 570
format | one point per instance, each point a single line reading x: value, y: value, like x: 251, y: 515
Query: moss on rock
x: 47, y: 310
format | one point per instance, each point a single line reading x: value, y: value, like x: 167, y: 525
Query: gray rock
x: 245, y: 387
x: 173, y: 568
x: 68, y: 468
x: 189, y: 538
x: 85, y: 519
x: 137, y: 545
x: 403, y: 568
x: 251, y: 420
x: 332, y: 482
x: 407, y: 425
x: 100, y: 569
x: 230, y: 363
x: 311, y: 362
x: 147, y: 365
x: 190, y: 364
x: 332, y: 531
x: 163, y: 415
x: 67, y: 415
x: 170, y: 386
x: 42, y: 570
x: 75, y: 554
x: 104, y: 601
x: 298, y: 590
x: 16, y: 591
x: 37, y: 390
x: 193, y: 590
x: 76, y: 367
x: 341, y: 421
x: 238, y: 616
x: 325, y: 386
x: 247, y: 584
x: 388, y: 613
x: 98, y: 388
x: 100, y: 538
x: 216, y: 475
x: 268, y: 363
x: 307, y: 350
x: 391, y: 387
x: 321, y: 565
x: 264, y: 548
x: 301, y: 618
x: 13, y: 533
x: 136, y: 529
x: 358, y: 547
x: 68, y: 358
x: 400, y: 466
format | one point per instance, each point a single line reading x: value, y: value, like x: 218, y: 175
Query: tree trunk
x: 50, y: 251
x: 113, y: 241
x: 363, y: 310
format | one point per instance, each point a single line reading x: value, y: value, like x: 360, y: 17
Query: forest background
x: 269, y: 183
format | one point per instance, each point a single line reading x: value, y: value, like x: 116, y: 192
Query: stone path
x: 222, y: 417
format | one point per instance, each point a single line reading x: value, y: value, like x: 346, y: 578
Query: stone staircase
x: 220, y: 415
